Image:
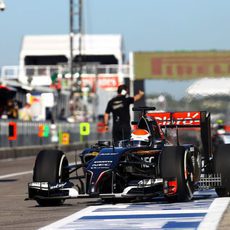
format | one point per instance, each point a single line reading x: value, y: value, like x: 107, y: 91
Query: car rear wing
x: 179, y: 119
x: 191, y: 119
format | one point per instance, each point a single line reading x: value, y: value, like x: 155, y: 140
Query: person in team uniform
x: 119, y: 107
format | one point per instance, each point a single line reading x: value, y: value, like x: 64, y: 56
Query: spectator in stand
x: 25, y: 113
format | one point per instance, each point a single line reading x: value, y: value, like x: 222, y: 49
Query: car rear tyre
x: 176, y: 162
x: 50, y: 167
x: 221, y: 160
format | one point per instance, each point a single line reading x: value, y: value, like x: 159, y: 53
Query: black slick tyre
x: 221, y: 160
x: 50, y: 167
x: 176, y: 162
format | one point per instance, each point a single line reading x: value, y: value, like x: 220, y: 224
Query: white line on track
x: 18, y: 174
x: 15, y: 174
x: 93, y: 214
x: 215, y: 213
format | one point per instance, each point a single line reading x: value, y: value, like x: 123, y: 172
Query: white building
x: 98, y: 58
x: 41, y: 55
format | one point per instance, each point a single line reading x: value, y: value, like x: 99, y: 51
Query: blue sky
x: 146, y: 25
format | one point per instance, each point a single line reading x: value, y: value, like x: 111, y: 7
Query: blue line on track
x: 182, y: 225
x: 144, y: 216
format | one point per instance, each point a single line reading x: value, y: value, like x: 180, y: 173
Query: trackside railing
x: 18, y: 133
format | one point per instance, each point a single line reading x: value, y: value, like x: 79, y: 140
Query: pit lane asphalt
x: 16, y: 213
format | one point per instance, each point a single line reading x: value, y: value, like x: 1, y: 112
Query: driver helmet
x: 140, y: 137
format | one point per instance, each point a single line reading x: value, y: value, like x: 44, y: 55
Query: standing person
x: 119, y: 107
x: 12, y: 109
x: 25, y: 113
x: 61, y: 116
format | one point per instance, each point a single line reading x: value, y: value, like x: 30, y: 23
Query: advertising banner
x: 181, y: 65
x: 103, y: 81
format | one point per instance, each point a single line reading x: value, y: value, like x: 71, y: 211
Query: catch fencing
x: 21, y: 134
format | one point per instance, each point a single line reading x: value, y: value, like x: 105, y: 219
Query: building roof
x: 59, y: 45
x: 210, y: 87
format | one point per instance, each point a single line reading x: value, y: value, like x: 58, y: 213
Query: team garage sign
x: 103, y: 81
x: 181, y: 65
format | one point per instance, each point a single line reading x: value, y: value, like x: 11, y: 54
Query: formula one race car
x: 149, y: 164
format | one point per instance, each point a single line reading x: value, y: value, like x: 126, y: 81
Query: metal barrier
x: 45, y: 133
